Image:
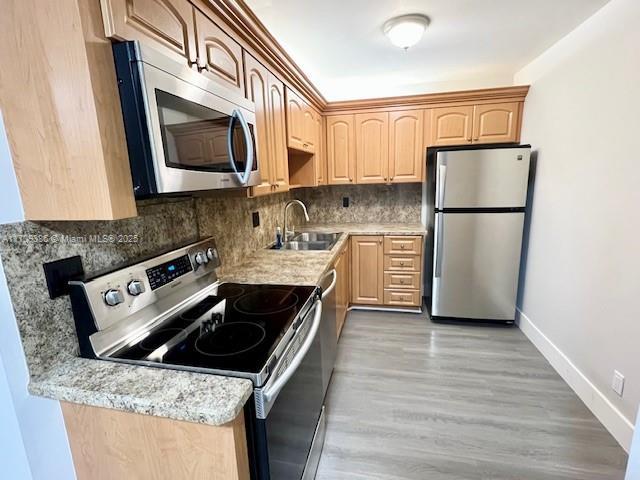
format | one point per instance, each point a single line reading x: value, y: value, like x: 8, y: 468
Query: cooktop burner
x: 257, y: 303
x: 230, y: 339
x: 237, y: 328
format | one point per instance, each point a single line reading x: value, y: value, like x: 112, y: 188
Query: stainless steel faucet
x: 288, y: 233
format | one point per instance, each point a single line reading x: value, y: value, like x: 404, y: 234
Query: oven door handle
x: 237, y: 116
x: 271, y: 390
x: 332, y: 285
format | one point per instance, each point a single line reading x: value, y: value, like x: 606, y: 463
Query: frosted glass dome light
x: 407, y: 30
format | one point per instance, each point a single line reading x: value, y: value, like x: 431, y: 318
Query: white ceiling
x: 470, y: 43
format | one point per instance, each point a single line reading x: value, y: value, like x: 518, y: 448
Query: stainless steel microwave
x: 185, y: 133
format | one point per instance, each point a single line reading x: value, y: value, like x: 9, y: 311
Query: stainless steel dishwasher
x: 328, y: 332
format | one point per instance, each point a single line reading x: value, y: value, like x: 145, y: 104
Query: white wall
x: 13, y: 457
x: 581, y: 284
x: 40, y: 422
x: 633, y: 468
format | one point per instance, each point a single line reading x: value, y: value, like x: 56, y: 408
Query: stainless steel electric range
x: 170, y: 311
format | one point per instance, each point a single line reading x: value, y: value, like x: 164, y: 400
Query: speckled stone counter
x: 175, y: 394
x: 191, y: 396
x: 306, y: 267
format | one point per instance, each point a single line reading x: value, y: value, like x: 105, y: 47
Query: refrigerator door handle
x: 439, y: 246
x: 442, y: 182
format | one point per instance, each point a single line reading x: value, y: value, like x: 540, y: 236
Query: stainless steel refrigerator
x: 475, y: 206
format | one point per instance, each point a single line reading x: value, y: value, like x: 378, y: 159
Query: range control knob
x: 135, y: 287
x: 212, y: 253
x: 201, y: 258
x: 113, y: 297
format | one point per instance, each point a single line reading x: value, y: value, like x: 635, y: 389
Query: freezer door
x: 476, y: 264
x: 486, y: 178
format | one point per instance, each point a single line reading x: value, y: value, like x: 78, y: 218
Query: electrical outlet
x: 255, y: 217
x: 618, y: 382
x: 345, y: 202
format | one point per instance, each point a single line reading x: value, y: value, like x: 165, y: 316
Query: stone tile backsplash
x: 46, y: 326
x: 398, y: 203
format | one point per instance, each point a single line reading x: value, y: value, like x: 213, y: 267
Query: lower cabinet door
x: 367, y: 262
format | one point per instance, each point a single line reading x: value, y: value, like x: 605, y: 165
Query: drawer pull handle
x: 401, y: 247
x: 401, y: 282
x: 402, y: 264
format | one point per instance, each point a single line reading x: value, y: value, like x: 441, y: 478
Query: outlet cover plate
x: 618, y: 382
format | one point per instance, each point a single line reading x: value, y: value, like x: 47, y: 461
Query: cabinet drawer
x: 403, y: 263
x: 401, y: 280
x: 405, y: 245
x: 404, y: 298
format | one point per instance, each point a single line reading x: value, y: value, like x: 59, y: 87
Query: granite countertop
x: 191, y: 396
x: 307, y: 267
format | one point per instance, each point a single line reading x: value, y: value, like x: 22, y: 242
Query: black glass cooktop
x: 235, y: 329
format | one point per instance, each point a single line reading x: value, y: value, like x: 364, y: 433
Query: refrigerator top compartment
x: 482, y: 178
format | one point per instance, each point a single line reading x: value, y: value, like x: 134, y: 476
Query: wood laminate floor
x: 410, y: 399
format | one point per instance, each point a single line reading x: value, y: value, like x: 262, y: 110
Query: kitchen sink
x: 310, y: 241
x: 316, y: 237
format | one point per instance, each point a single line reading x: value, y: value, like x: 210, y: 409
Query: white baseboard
x: 618, y: 425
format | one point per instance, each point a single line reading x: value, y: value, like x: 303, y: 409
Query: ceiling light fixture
x: 407, y: 30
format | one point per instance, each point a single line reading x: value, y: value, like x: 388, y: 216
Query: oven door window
x: 195, y: 137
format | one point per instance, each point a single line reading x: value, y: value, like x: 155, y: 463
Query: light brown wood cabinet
x: 342, y: 266
x: 219, y: 56
x: 496, y: 123
x: 372, y: 147
x: 407, y: 153
x: 166, y: 25
x: 108, y: 444
x: 266, y: 91
x: 386, y: 270
x: 471, y: 124
x: 367, y: 270
x: 301, y: 123
x: 341, y: 150
x: 321, y: 150
x: 451, y: 126
x: 278, y: 134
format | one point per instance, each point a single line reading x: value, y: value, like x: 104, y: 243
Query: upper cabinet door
x: 295, y: 120
x: 166, y: 25
x: 219, y: 56
x: 495, y: 123
x: 372, y: 147
x: 407, y: 154
x: 310, y: 130
x: 258, y: 92
x: 321, y: 151
x: 277, y: 122
x: 451, y: 125
x: 341, y: 149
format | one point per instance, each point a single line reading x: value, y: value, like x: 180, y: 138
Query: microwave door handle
x: 237, y: 116
x: 271, y: 391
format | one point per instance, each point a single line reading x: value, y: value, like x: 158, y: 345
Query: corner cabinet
x: 266, y: 91
x: 301, y: 123
x: 341, y: 150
